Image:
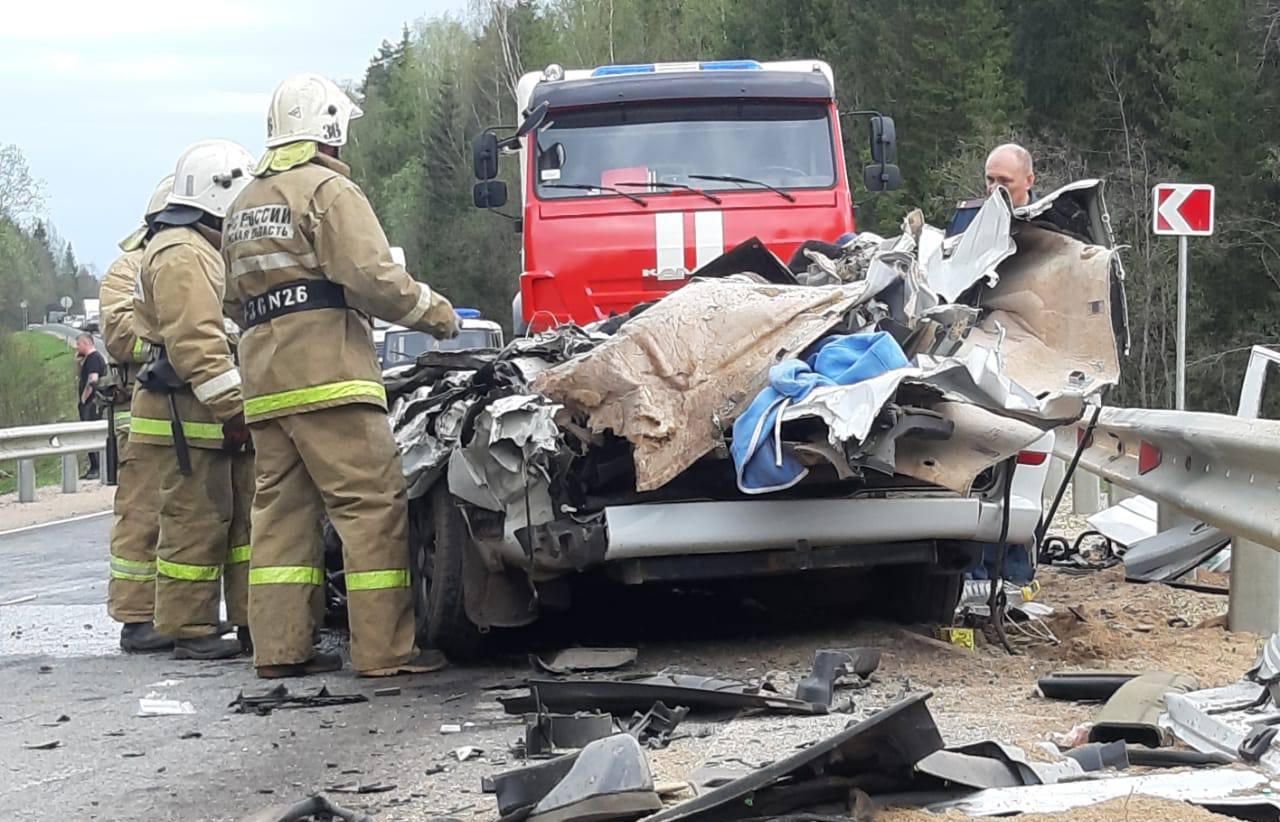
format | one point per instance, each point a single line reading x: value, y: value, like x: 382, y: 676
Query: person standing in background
x: 92, y: 367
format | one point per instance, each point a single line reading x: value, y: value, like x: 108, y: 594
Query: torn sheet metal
x: 882, y: 749
x: 624, y: 696
x: 673, y: 377
x: 979, y: 250
x: 1050, y: 315
x: 1221, y: 720
x: 1174, y: 552
x: 498, y: 467
x: 1197, y: 787
x: 1128, y: 521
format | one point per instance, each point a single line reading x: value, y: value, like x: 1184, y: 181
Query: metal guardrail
x: 65, y: 439
x: 1220, y: 469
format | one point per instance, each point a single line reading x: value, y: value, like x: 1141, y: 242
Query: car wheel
x: 916, y: 594
x: 438, y: 541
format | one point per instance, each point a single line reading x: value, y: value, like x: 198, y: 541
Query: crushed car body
x: 863, y: 416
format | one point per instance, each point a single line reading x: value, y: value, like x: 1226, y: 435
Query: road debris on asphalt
x: 164, y: 707
x: 42, y: 746
x: 579, y: 660
x: 625, y: 696
x: 280, y: 697
x: 316, y: 807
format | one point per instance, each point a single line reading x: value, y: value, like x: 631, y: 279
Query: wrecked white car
x: 884, y: 410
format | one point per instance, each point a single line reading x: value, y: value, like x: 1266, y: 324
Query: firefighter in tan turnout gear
x: 309, y: 263
x: 131, y: 591
x: 187, y: 417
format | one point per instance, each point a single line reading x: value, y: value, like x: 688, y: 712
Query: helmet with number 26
x: 310, y: 107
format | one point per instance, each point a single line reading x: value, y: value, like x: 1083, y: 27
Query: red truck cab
x: 632, y: 177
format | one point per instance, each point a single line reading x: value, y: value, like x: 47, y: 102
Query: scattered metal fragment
x: 451, y: 728
x: 316, y: 807
x: 609, y: 779
x: 20, y: 600
x: 575, y: 660
x: 394, y: 690
x: 1082, y: 686
x: 280, y: 697
x: 132, y: 755
x: 1133, y: 711
x: 467, y: 752
x: 191, y: 735
x: 353, y: 787
x: 42, y: 746
x: 884, y: 746
x: 164, y: 707
x: 655, y: 726
x: 545, y: 733
x: 623, y: 696
x: 45, y: 669
x: 1207, y: 788
x: 1220, y: 721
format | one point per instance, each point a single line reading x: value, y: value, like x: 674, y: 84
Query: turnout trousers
x: 135, y: 530
x: 342, y: 462
x: 195, y: 547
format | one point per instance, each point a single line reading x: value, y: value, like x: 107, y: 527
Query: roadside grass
x: 37, y: 386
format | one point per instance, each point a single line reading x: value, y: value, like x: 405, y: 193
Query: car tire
x: 921, y: 594
x: 438, y: 542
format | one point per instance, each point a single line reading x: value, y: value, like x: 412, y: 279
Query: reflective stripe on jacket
x: 178, y: 305
x: 309, y: 221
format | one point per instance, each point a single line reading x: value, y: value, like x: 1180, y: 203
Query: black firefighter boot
x: 210, y: 646
x: 143, y: 638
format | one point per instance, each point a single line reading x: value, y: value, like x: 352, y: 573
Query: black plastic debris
x: 654, y: 727
x: 1082, y: 686
x: 1098, y: 756
x: 279, y: 697
x: 545, y: 733
x: 524, y: 787
x: 610, y: 779
x: 576, y: 660
x: 317, y: 807
x: 355, y: 787
x: 818, y: 688
x: 625, y: 696
x: 876, y: 755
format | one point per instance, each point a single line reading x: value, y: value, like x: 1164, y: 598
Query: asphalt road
x: 63, y: 680
x: 58, y: 658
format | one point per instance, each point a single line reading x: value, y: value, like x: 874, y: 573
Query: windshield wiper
x: 584, y: 187
x: 713, y: 198
x: 727, y: 178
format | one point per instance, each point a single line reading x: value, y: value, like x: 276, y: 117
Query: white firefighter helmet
x: 209, y: 176
x: 310, y: 107
x: 158, y: 197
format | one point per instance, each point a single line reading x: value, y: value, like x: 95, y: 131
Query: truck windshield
x: 783, y: 144
x: 405, y: 346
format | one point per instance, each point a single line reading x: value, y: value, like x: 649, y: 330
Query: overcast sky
x: 103, y: 95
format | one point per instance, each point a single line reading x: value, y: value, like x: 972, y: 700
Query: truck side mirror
x: 884, y: 140
x: 485, y: 159
x: 489, y: 194
x: 881, y: 177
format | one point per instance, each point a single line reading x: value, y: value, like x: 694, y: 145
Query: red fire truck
x: 634, y: 176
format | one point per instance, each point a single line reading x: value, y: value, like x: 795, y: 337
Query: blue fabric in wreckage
x: 763, y: 462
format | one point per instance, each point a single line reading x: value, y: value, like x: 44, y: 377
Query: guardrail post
x: 26, y: 481
x: 1254, y: 604
x: 70, y: 473
x: 1086, y: 493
